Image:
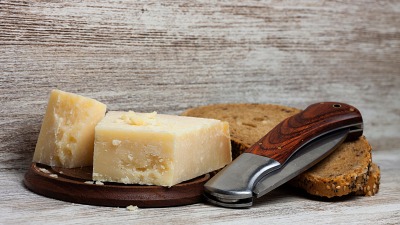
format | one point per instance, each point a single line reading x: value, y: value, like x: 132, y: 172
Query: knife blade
x: 290, y: 148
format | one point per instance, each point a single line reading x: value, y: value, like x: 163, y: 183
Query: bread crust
x: 349, y: 170
x: 373, y: 182
x: 343, y: 172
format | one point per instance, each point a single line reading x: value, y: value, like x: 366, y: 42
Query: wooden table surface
x: 168, y: 56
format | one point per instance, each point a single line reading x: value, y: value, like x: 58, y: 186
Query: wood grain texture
x: 76, y: 185
x: 171, y: 55
x: 282, y: 206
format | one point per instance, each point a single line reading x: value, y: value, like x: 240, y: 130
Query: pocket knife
x: 290, y: 148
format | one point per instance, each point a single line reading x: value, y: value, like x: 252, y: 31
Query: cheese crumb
x: 53, y: 175
x: 132, y: 208
x: 43, y: 170
x: 151, y: 115
x: 116, y: 142
x: 99, y: 183
x: 88, y: 182
x: 133, y: 118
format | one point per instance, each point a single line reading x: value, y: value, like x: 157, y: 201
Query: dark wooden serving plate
x: 75, y: 185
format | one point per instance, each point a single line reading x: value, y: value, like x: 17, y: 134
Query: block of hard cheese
x: 157, y: 149
x: 67, y: 134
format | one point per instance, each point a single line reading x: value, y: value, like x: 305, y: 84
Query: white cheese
x: 157, y: 149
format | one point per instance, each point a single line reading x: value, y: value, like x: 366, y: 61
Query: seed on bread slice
x: 373, y: 182
x: 345, y: 171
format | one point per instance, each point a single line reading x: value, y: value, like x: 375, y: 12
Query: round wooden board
x: 76, y: 185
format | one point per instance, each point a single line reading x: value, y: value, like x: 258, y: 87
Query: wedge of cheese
x: 157, y: 149
x: 67, y: 134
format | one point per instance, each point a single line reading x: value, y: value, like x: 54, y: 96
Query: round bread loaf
x: 345, y: 171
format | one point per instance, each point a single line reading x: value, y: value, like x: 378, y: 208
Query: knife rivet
x: 279, y: 147
x: 336, y: 105
x: 352, y: 109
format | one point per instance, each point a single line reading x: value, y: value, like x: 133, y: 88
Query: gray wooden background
x: 171, y: 55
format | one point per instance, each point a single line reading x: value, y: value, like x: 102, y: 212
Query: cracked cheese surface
x: 67, y: 134
x: 157, y: 149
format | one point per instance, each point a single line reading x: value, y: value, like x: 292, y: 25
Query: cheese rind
x: 157, y: 149
x: 67, y: 134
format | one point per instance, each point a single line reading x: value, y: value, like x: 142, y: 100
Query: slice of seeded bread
x: 247, y: 122
x: 345, y: 171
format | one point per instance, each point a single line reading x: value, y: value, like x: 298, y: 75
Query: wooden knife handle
x: 289, y: 135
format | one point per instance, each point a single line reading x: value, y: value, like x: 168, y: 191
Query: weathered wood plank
x: 281, y: 206
x: 223, y: 52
